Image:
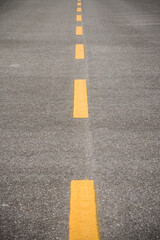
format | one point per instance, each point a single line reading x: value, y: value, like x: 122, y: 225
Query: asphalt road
x: 43, y: 147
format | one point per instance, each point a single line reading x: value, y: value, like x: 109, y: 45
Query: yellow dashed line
x: 79, y: 9
x: 83, y: 219
x: 79, y: 4
x: 79, y: 51
x: 79, y: 30
x: 79, y: 18
x: 80, y: 108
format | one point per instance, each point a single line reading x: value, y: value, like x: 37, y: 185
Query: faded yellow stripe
x: 80, y: 107
x: 83, y: 219
x: 79, y: 51
x: 79, y: 18
x: 79, y: 4
x: 79, y: 9
x: 79, y: 30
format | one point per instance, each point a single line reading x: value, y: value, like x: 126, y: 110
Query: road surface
x: 43, y: 148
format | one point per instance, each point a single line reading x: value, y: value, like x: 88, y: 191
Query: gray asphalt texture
x: 43, y: 148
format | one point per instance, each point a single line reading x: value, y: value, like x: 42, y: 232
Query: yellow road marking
x: 79, y: 0
x: 79, y: 18
x: 79, y: 9
x: 79, y: 4
x: 80, y: 108
x: 79, y: 30
x: 79, y: 52
x: 83, y: 219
